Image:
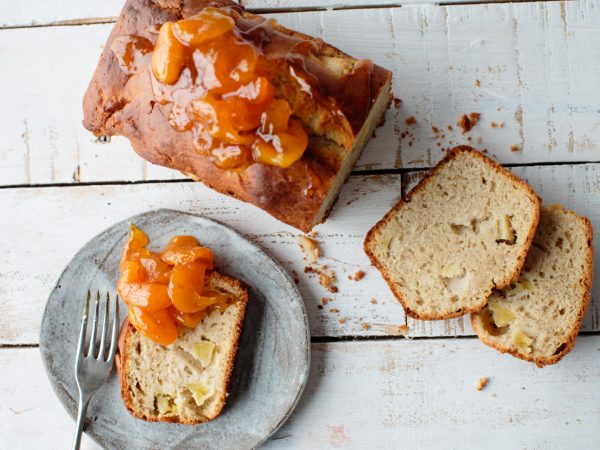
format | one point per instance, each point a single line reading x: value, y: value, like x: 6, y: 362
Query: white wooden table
x: 531, y: 69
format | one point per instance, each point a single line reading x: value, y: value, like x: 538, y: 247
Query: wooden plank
x: 575, y: 187
x: 529, y: 68
x: 47, y: 226
x: 35, y: 13
x: 73, y: 215
x: 31, y: 415
x: 271, y: 5
x: 39, y: 12
x: 419, y: 393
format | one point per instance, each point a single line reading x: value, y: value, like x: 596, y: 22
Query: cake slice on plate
x: 186, y: 381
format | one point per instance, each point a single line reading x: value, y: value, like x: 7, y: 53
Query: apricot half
x: 137, y: 240
x: 150, y: 296
x: 157, y: 325
x: 189, y: 320
x: 157, y: 271
x: 186, y: 285
x: 186, y: 249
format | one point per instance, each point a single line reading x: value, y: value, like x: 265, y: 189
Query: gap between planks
x: 355, y: 173
x: 342, y: 339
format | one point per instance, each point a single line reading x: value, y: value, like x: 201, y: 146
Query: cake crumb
x: 324, y: 300
x: 327, y: 276
x: 450, y: 128
x: 494, y: 125
x: 477, y: 83
x: 436, y: 130
x: 310, y: 249
x: 325, y: 280
x: 403, y: 330
x: 374, y: 302
x: 397, y: 103
x: 296, y: 279
x: 410, y: 121
x: 334, y: 310
x: 466, y: 123
x: 358, y: 275
x: 515, y: 148
x: 342, y: 320
x: 482, y: 383
x: 365, y: 326
x: 333, y: 289
x: 320, y: 306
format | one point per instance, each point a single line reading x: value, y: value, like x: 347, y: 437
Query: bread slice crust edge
x: 370, y: 237
x: 570, y: 343
x: 129, y: 330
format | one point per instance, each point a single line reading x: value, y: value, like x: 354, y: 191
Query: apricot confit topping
x: 231, y: 105
x: 163, y: 290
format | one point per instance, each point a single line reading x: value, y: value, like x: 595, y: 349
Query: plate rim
x: 44, y: 351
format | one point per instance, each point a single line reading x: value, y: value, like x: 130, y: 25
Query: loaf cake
x: 538, y: 317
x: 462, y: 231
x: 326, y: 102
x: 186, y: 381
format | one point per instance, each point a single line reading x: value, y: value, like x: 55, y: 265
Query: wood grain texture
x: 69, y: 216
x: 38, y: 12
x: 528, y: 68
x: 419, y: 394
x: 34, y: 13
x: 31, y: 415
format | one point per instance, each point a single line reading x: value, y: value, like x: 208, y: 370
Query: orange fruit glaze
x: 240, y: 121
x: 163, y: 290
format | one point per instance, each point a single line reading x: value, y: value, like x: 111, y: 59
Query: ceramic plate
x: 272, y: 364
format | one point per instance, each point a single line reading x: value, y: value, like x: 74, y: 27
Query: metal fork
x: 94, y: 365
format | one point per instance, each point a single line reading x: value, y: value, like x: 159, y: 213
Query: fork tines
x: 97, y: 345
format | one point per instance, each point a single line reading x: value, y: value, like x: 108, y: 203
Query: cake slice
x: 186, y: 382
x: 464, y: 230
x: 538, y: 317
x: 335, y: 101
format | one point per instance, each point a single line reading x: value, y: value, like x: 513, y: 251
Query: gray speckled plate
x: 271, y: 368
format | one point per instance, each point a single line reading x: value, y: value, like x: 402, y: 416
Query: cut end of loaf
x: 375, y: 118
x: 187, y: 381
x: 462, y: 231
x: 538, y: 317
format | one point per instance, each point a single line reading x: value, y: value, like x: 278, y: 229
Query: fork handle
x: 81, y: 410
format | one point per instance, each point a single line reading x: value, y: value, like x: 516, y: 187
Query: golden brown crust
x: 128, y: 330
x: 370, y: 237
x: 115, y: 104
x: 587, y: 287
